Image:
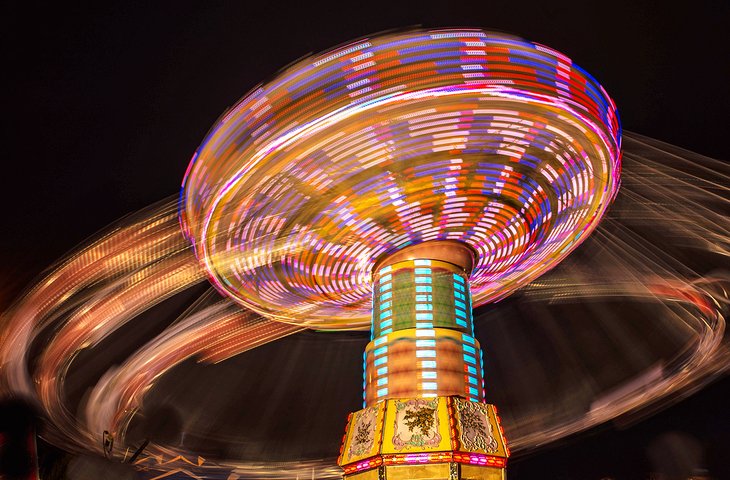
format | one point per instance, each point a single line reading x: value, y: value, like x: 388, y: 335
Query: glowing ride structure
x: 396, y: 182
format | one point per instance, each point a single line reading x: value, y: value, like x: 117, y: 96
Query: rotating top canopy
x: 393, y: 140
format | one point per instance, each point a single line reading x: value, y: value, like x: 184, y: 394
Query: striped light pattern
x: 422, y: 342
x: 394, y: 140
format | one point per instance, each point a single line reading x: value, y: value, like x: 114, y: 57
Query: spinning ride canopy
x: 393, y: 140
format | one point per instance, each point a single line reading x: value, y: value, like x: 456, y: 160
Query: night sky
x: 108, y: 103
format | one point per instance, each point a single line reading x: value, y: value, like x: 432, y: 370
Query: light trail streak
x: 671, y: 199
x: 300, y: 187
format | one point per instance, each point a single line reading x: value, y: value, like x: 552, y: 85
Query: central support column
x: 422, y: 342
x: 424, y: 416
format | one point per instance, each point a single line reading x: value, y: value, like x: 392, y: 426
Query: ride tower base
x: 424, y: 416
x: 440, y: 438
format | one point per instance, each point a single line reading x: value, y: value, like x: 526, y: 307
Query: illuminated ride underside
x: 401, y: 178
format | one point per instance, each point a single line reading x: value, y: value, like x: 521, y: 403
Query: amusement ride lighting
x: 394, y: 140
x: 396, y: 182
x: 401, y: 178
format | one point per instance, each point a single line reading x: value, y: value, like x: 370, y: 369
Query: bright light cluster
x: 394, y: 140
x: 422, y: 335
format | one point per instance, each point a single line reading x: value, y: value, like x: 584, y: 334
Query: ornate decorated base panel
x: 424, y: 439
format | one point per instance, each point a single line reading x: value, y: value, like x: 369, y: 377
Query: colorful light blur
x: 393, y: 140
x: 671, y: 202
